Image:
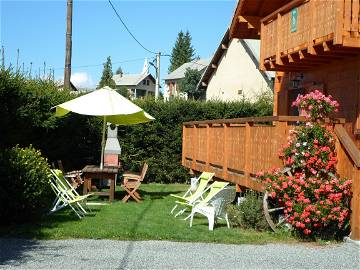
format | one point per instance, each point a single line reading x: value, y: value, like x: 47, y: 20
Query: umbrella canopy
x: 107, y: 104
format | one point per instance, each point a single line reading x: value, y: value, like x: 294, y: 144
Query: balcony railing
x: 309, y: 31
x: 236, y: 149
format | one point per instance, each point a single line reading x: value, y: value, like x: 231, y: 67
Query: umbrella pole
x: 103, y: 144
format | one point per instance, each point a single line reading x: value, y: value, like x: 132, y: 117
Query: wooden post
x: 67, y: 71
x: 277, y: 88
x: 208, y: 126
x: 195, y: 147
x: 355, y: 205
x: 184, y: 145
x: 226, y: 152
x: 112, y: 188
x: 278, y: 60
x: 355, y: 18
x: 339, y: 22
x: 247, y: 153
x: 262, y: 46
x: 312, y: 10
x: 281, y: 129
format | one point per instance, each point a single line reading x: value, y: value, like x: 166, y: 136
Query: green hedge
x: 75, y: 139
x: 26, y: 118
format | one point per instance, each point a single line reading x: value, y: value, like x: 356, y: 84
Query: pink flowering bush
x: 316, y: 105
x: 310, y: 149
x: 315, y: 199
x: 314, y: 206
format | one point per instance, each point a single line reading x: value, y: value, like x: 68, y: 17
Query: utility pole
x: 157, y: 86
x: 17, y: 60
x: 67, y: 71
x: 30, y: 70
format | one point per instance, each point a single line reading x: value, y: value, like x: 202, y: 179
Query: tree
x: 189, y: 51
x: 182, y: 51
x: 106, y: 78
x: 122, y: 90
x: 119, y: 71
x: 189, y: 83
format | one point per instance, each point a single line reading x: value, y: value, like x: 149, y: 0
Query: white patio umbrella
x: 109, y: 105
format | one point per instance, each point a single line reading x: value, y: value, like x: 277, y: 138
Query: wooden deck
x: 236, y: 149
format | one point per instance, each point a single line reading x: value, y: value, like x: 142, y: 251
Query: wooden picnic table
x: 94, y: 172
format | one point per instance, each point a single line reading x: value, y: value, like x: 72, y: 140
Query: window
x: 144, y: 82
x: 147, y: 82
x: 240, y: 92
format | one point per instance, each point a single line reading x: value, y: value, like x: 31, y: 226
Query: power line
x: 127, y: 29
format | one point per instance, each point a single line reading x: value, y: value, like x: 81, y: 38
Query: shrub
x: 25, y: 192
x: 249, y: 213
x: 316, y: 200
x: 310, y: 149
x: 316, y: 105
x: 316, y: 206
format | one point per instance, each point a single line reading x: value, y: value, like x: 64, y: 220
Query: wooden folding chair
x: 132, y: 182
x: 73, y: 176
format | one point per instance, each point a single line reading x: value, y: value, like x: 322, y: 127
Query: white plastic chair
x: 215, y: 208
x: 190, y: 195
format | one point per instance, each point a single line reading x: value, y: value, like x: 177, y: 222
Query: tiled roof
x: 179, y: 73
x: 130, y: 79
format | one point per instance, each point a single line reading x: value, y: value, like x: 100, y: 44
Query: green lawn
x: 148, y: 220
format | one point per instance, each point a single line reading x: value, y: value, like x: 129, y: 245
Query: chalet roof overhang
x: 223, y: 46
x: 248, y: 14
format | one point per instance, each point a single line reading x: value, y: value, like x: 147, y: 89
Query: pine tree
x: 189, y: 51
x: 106, y: 78
x: 182, y: 51
x: 119, y: 71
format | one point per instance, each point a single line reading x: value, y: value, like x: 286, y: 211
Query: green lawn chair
x: 214, y: 205
x: 190, y: 197
x: 66, y: 195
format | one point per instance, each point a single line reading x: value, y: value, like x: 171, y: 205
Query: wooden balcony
x: 307, y: 33
x: 236, y: 149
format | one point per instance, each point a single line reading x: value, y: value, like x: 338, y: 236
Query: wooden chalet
x: 311, y: 44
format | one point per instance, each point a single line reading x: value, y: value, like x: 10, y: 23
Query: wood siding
x: 323, y: 28
x: 341, y: 79
x: 236, y: 149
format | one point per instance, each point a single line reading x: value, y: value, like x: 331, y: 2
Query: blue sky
x: 37, y: 29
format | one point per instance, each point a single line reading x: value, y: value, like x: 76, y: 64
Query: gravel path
x: 108, y: 254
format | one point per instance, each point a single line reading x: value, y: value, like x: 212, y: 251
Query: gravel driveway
x: 109, y: 254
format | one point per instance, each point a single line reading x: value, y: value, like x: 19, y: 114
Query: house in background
x: 139, y: 85
x: 173, y: 79
x: 233, y: 72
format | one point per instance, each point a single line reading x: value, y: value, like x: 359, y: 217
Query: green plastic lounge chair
x: 190, y: 197
x: 66, y: 195
x: 214, y: 205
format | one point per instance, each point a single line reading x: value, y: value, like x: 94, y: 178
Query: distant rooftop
x: 129, y: 79
x: 179, y: 73
x: 133, y: 79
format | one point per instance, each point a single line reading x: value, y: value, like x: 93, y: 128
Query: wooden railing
x: 348, y: 166
x: 318, y: 22
x: 236, y: 149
